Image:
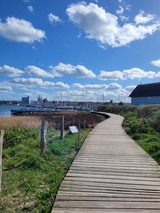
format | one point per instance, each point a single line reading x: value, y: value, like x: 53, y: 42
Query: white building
x: 146, y: 94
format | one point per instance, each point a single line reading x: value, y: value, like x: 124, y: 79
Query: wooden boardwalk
x: 111, y: 173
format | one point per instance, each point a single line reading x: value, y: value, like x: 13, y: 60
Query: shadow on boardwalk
x: 111, y: 173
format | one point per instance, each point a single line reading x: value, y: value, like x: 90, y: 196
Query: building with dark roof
x: 145, y: 94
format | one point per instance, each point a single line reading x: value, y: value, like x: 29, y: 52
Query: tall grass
x: 19, y: 122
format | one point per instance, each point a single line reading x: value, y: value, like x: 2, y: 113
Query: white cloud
x: 142, y: 19
x: 31, y: 82
x: 130, y: 88
x: 124, y: 18
x: 36, y: 71
x: 95, y: 86
x: 114, y: 86
x: 130, y: 32
x: 106, y: 28
x: 28, y: 81
x: 156, y: 63
x: 54, y: 19
x: 114, y: 75
x: 120, y: 11
x: 78, y: 86
x: 78, y: 71
x: 20, y: 30
x: 10, y: 71
x: 133, y: 73
x: 111, y: 86
x: 48, y: 84
x: 5, y: 88
x: 137, y: 73
x: 30, y: 8
x: 157, y: 75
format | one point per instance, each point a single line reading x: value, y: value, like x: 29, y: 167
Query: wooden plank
x: 107, y: 205
x: 73, y: 210
x: 117, y: 177
x: 117, y: 194
x: 105, y: 198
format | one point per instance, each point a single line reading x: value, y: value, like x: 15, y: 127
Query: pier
x: 46, y: 111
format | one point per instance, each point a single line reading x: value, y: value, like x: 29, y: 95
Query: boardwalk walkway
x: 111, y: 174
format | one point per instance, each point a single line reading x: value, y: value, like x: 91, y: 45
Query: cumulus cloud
x: 95, y: 86
x: 106, y: 28
x: 78, y: 71
x: 48, y: 84
x: 137, y: 73
x: 111, y: 86
x: 78, y: 86
x: 36, y: 71
x: 142, y: 19
x: 133, y: 73
x: 28, y: 81
x: 10, y: 71
x: 20, y: 30
x: 114, y: 86
x: 114, y: 75
x: 156, y: 63
x: 54, y: 19
x: 39, y: 82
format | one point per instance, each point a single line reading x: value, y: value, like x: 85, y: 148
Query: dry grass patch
x: 19, y: 122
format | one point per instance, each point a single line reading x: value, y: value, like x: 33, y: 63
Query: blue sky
x: 76, y: 50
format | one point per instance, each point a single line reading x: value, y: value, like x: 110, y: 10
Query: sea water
x: 5, y: 110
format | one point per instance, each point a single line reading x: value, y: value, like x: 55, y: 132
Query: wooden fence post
x: 43, y: 136
x: 73, y: 122
x: 1, y: 147
x: 62, y: 128
x: 78, y: 145
x: 79, y: 124
x: 84, y: 122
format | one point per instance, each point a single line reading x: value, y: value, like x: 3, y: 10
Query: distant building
x: 26, y: 101
x: 45, y: 102
x: 40, y: 100
x: 146, y: 94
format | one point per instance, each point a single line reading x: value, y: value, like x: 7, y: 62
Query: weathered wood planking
x: 111, y: 173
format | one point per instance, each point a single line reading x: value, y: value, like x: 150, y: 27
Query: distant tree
x: 121, y: 103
